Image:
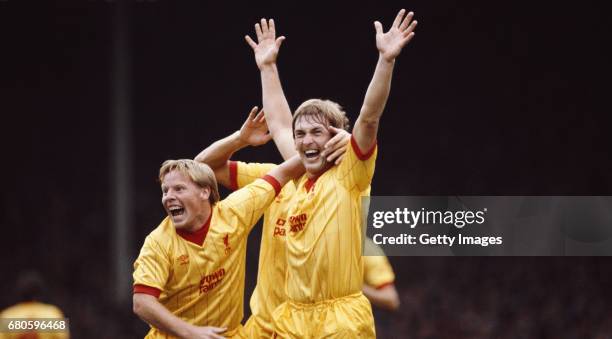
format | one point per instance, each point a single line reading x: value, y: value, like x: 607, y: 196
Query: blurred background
x: 490, y: 98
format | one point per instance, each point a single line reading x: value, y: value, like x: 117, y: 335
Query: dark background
x: 490, y: 98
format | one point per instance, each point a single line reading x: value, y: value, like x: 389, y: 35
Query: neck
x: 312, y: 175
x: 200, y: 220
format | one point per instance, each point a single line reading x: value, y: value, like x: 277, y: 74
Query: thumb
x: 378, y: 27
x: 279, y: 41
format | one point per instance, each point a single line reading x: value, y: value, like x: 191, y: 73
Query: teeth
x: 311, y: 152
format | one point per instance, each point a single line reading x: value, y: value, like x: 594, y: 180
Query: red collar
x: 311, y: 181
x: 198, y: 236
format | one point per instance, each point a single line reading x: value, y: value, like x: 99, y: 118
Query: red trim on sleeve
x: 147, y: 290
x: 272, y: 181
x: 198, y: 236
x: 233, y: 168
x: 362, y: 156
x: 381, y: 286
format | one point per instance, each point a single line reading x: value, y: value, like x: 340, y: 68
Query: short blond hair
x: 199, y: 173
x: 323, y: 111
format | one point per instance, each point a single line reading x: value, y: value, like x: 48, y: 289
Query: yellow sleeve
x: 152, y: 267
x: 244, y: 173
x: 249, y: 203
x: 377, y: 271
x: 357, y: 168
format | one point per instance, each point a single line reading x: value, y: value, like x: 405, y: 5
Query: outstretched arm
x: 389, y: 46
x: 150, y: 310
x: 278, y: 113
x: 288, y: 170
x: 253, y: 132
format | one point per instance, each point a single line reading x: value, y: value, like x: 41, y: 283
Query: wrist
x: 238, y: 141
x: 268, y: 67
x: 386, y: 60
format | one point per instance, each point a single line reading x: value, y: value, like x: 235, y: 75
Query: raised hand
x: 254, y: 131
x: 267, y: 46
x: 335, y: 147
x: 390, y: 44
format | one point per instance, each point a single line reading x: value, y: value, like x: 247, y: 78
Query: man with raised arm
x: 189, y: 276
x: 269, y: 291
x: 324, y: 272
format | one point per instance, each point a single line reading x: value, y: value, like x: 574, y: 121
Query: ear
x: 205, y: 193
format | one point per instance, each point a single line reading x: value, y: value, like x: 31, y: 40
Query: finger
x: 407, y: 39
x: 250, y: 41
x: 339, y: 160
x: 406, y: 21
x: 330, y: 144
x: 218, y: 329
x: 267, y: 138
x: 332, y: 157
x: 334, y: 130
x: 272, y: 27
x: 259, y: 116
x: 252, y: 113
x: 264, y: 26
x: 279, y: 41
x: 410, y: 28
x: 378, y: 27
x: 258, y: 32
x: 398, y: 18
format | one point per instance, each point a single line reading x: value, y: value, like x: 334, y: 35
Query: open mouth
x: 176, y: 211
x: 311, y: 153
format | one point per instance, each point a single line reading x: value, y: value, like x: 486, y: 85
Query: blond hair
x: 322, y: 111
x: 200, y: 173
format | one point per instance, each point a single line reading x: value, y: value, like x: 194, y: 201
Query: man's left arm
x: 389, y: 46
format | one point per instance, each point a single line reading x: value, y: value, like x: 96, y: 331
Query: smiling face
x: 185, y: 201
x: 311, y: 135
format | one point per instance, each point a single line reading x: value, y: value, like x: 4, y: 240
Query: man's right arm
x: 150, y: 310
x: 278, y: 113
x: 254, y: 132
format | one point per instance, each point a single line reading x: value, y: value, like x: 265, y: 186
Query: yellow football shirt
x: 34, y: 310
x: 269, y: 291
x: 377, y: 272
x: 324, y: 230
x: 199, y: 277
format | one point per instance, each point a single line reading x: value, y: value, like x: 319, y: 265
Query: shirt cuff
x: 383, y: 285
x: 138, y: 288
x: 361, y: 155
x: 233, y: 169
x: 272, y: 181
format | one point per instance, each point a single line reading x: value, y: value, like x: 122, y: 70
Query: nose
x: 167, y: 197
x: 307, y: 139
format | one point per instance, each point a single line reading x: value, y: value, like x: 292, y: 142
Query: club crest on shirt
x: 228, y: 248
x: 183, y: 259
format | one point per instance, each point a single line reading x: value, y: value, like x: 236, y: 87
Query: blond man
x: 189, y: 276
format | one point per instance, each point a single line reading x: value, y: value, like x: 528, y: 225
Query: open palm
x: 267, y: 46
x: 390, y: 44
x: 254, y: 131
